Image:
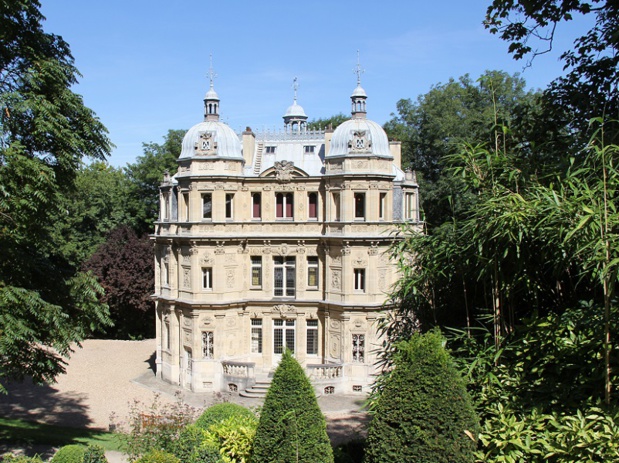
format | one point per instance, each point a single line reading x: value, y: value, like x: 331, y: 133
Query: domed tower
x: 295, y: 119
x: 211, y: 142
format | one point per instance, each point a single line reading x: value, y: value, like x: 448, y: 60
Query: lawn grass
x: 20, y: 432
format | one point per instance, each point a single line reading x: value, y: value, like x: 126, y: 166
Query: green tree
x: 45, y: 132
x: 327, y: 122
x: 291, y: 428
x: 423, y: 412
x: 94, y: 207
x: 462, y: 111
x: 590, y: 86
x: 146, y: 174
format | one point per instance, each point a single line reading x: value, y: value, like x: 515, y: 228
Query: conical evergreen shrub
x: 292, y: 427
x: 424, y: 413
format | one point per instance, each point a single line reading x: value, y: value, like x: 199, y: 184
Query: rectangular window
x: 186, y: 207
x: 256, y: 272
x: 312, y: 205
x: 358, y: 348
x: 256, y: 205
x: 336, y: 207
x: 410, y: 206
x: 284, y: 203
x: 256, y: 336
x: 312, y: 272
x: 208, y: 345
x: 309, y: 149
x: 283, y: 336
x: 359, y: 206
x: 166, y: 274
x: 359, y: 279
x: 270, y: 150
x: 312, y: 337
x: 284, y: 276
x: 166, y: 207
x: 167, y: 336
x: 207, y: 206
x: 229, y: 205
x: 382, y: 205
x: 207, y: 278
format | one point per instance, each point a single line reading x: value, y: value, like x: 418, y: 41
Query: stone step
x: 257, y: 391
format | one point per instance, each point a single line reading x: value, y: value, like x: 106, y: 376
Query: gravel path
x: 105, y: 377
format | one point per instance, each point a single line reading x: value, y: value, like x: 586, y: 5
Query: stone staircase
x: 258, y: 390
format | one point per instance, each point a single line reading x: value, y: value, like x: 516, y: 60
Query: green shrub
x: 234, y: 437
x: 10, y: 458
x: 192, y: 446
x: 69, y: 454
x: 94, y: 454
x: 291, y: 428
x: 221, y: 412
x: 423, y: 412
x: 158, y: 456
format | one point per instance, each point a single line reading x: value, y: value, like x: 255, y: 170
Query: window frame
x: 313, y: 267
x: 229, y: 206
x: 359, y: 283
x: 359, y: 206
x: 288, y: 269
x: 207, y: 279
x: 382, y: 205
x: 207, y: 215
x: 312, y: 215
x: 284, y: 205
x: 255, y: 264
x: 312, y: 327
x: 256, y: 205
x: 208, y: 344
x: 256, y: 325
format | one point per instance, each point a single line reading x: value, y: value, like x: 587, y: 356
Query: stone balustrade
x: 324, y: 371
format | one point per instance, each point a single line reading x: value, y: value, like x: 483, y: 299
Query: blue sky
x: 145, y: 63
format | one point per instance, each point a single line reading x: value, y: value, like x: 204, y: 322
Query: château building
x: 278, y: 240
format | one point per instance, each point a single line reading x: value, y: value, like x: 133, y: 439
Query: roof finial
x: 295, y: 86
x: 211, y: 73
x: 358, y: 70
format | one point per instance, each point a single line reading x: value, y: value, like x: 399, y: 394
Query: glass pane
x: 290, y: 276
x: 278, y: 340
x: 279, y: 281
x: 206, y: 206
x: 290, y: 339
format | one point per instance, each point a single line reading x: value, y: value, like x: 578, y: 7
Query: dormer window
x: 270, y: 150
x: 309, y: 149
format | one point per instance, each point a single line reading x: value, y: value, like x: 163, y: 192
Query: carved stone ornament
x: 207, y: 321
x: 207, y: 259
x: 206, y: 144
x: 285, y: 309
x: 283, y: 170
x: 359, y: 142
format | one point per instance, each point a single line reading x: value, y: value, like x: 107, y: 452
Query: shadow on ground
x: 45, y: 404
x: 347, y: 428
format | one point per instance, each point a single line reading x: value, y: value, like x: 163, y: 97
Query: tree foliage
x: 96, y: 205
x: 124, y: 267
x: 423, y: 412
x: 590, y: 87
x: 291, y: 428
x: 146, y: 174
x: 45, y: 131
x: 329, y: 123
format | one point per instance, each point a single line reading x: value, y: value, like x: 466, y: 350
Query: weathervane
x: 211, y: 74
x: 295, y: 86
x: 358, y: 70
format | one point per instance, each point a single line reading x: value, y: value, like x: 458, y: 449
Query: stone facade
x: 277, y: 240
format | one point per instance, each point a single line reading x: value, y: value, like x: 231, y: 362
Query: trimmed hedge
x: 72, y: 453
x: 94, y: 454
x: 220, y: 412
x: 192, y: 447
x: 291, y: 428
x: 423, y: 413
x: 158, y: 456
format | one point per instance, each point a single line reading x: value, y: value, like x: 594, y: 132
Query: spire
x: 295, y: 119
x: 211, y: 99
x: 358, y: 96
